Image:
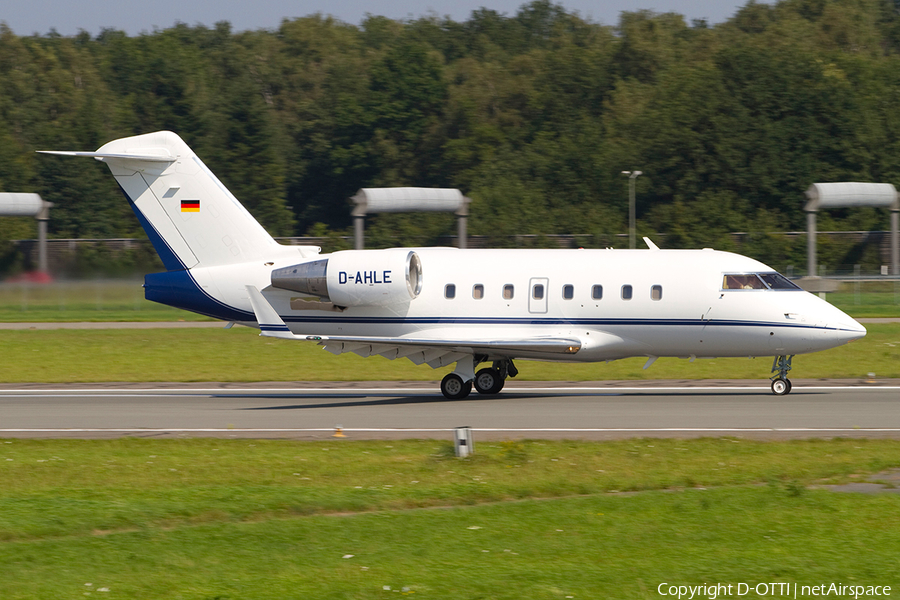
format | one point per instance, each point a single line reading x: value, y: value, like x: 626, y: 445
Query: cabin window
x: 597, y: 292
x: 478, y: 291
x: 508, y: 291
x: 626, y: 292
x: 568, y: 292
x: 656, y: 292
x: 450, y: 291
x: 537, y: 292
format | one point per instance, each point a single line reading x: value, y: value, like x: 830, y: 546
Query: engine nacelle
x: 356, y: 277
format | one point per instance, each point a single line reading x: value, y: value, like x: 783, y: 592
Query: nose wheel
x: 781, y: 385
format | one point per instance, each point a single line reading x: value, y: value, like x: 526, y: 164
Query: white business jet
x: 441, y: 306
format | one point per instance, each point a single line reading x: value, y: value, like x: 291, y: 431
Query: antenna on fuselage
x: 650, y: 244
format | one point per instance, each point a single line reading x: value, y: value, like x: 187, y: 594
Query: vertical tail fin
x: 191, y: 218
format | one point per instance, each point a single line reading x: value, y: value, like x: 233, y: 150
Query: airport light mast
x: 632, y: 175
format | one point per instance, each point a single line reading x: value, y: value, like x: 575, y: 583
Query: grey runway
x: 417, y: 411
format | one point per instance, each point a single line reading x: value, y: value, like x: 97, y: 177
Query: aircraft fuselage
x: 619, y: 303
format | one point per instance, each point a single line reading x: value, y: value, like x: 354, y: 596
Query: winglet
x: 650, y: 244
x: 270, y: 323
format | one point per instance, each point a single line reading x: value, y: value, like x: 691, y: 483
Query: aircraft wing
x: 435, y: 352
x: 441, y: 352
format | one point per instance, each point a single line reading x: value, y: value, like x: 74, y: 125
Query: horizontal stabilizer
x: 103, y: 156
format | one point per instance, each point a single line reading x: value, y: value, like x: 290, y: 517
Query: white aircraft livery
x: 441, y: 306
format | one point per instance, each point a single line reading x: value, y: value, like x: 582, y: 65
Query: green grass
x: 869, y: 305
x: 868, y: 298
x: 240, y: 354
x: 274, y: 519
x: 77, y: 301
x: 574, y: 548
x: 112, y: 485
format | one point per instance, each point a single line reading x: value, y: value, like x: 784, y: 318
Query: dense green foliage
x: 532, y: 115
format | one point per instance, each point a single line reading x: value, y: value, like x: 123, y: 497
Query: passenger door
x: 538, y: 289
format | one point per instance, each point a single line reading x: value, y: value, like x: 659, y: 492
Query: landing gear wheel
x: 454, y: 388
x: 488, y: 381
x: 781, y: 387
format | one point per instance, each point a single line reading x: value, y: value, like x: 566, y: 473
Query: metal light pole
x: 632, y: 175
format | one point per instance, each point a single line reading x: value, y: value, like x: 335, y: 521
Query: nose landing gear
x: 781, y: 385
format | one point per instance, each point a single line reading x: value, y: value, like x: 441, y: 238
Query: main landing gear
x: 781, y: 385
x: 454, y: 388
x: 489, y: 380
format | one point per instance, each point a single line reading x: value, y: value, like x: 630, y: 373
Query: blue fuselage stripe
x: 573, y: 322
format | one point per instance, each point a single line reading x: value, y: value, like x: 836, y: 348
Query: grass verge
x: 868, y: 299
x: 241, y: 354
x: 279, y: 519
x: 79, y: 301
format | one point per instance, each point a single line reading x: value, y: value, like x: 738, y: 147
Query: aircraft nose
x: 845, y: 327
x: 853, y: 329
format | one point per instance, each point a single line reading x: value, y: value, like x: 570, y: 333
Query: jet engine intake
x: 356, y: 277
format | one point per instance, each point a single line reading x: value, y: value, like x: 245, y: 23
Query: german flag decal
x: 190, y: 206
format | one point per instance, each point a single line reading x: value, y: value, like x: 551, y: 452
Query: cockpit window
x: 777, y: 281
x: 757, y: 281
x: 743, y: 282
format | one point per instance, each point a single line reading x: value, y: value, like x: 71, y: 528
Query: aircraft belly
x: 609, y: 343
x: 732, y: 341
x: 701, y: 340
x: 748, y: 339
x: 600, y: 340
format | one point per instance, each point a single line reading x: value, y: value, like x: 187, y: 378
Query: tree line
x: 533, y: 115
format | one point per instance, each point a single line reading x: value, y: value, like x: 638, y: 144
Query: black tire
x: 454, y: 388
x: 488, y: 381
x: 781, y: 387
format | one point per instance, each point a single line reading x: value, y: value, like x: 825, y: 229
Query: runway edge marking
x: 481, y: 429
x: 402, y: 391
